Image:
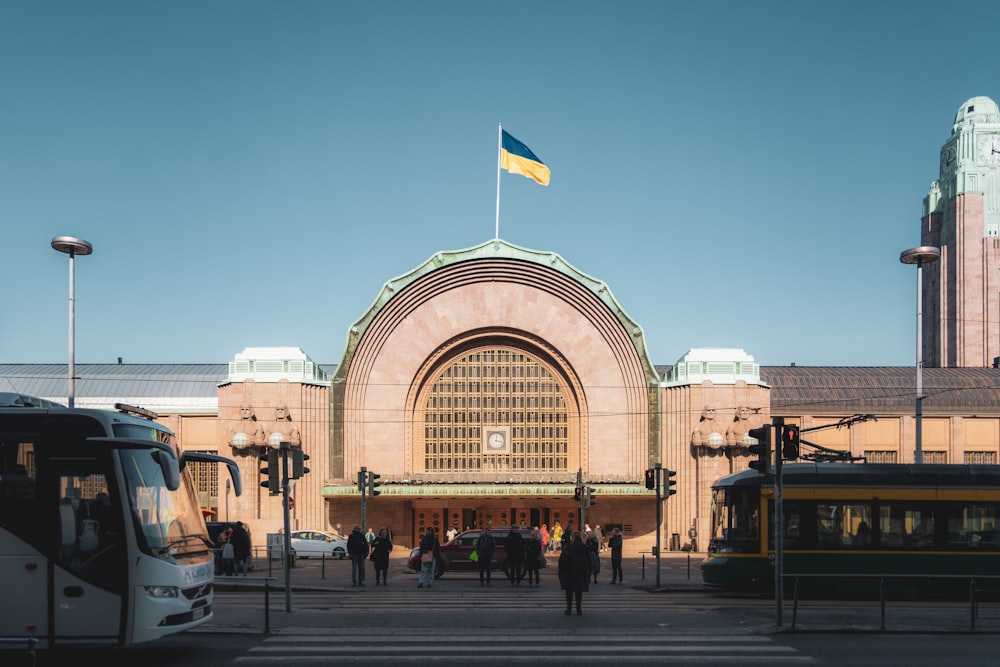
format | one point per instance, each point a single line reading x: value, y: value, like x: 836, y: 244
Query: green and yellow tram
x: 935, y: 524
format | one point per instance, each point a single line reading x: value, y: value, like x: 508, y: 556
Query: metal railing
x: 974, y: 589
x: 235, y: 583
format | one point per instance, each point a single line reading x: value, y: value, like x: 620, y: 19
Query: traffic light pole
x: 583, y: 501
x: 285, y: 447
x: 779, y: 519
x: 659, y: 519
x: 362, y: 486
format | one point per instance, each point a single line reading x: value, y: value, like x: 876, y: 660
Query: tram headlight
x: 162, y: 591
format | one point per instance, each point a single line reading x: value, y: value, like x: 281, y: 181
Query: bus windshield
x: 169, y: 524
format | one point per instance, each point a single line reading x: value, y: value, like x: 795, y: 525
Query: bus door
x: 90, y: 569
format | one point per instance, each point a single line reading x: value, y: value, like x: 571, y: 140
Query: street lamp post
x: 72, y: 246
x: 920, y: 255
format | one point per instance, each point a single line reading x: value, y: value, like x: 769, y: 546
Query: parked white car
x: 318, y: 544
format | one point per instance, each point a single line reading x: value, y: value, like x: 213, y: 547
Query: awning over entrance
x: 486, y: 490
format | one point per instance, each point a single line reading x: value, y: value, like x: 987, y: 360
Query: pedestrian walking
x: 533, y: 551
x: 555, y: 541
x: 567, y: 535
x: 486, y: 545
x: 241, y: 548
x: 594, y: 547
x: 228, y: 553
x: 357, y: 549
x: 430, y: 549
x: 381, y: 546
x: 599, y: 534
x: 574, y: 572
x: 543, y: 534
x: 513, y: 566
x: 615, y: 544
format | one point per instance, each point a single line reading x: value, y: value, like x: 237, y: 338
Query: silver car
x: 318, y: 544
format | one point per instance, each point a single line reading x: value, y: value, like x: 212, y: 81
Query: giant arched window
x: 490, y: 391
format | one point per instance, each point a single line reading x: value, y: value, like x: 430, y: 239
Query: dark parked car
x: 455, y: 554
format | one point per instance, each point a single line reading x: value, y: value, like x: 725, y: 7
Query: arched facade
x: 493, y: 341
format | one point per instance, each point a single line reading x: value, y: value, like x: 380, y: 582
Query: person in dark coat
x: 615, y: 544
x: 241, y: 548
x: 594, y: 547
x: 485, y: 546
x: 430, y: 548
x: 533, y: 558
x: 357, y: 548
x: 381, y: 546
x: 514, y: 565
x: 567, y: 535
x: 574, y: 572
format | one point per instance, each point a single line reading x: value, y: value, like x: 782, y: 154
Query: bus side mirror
x: 169, y: 469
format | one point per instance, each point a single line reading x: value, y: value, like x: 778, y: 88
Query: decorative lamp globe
x: 716, y: 440
x: 275, y: 439
x: 240, y: 440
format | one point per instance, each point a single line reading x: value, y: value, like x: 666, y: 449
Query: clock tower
x: 961, y: 215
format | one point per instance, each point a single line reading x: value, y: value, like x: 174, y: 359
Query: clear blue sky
x: 741, y: 174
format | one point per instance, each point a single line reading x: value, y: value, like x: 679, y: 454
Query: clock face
x: 496, y: 440
x: 948, y: 161
x: 989, y: 150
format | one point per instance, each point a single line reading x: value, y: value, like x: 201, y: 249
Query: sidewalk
x: 334, y: 577
x: 679, y: 591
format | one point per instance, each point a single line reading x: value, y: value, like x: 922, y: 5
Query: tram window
x: 918, y: 522
x: 793, y: 525
x: 843, y: 525
x: 972, y: 526
x: 745, y: 517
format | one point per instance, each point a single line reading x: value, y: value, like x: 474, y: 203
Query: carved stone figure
x: 251, y: 430
x: 737, y: 431
x: 283, y: 425
x: 708, y: 433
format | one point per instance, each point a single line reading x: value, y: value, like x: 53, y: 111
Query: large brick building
x: 488, y: 383
x: 502, y: 340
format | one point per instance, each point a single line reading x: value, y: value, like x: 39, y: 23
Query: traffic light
x: 762, y: 449
x: 362, y: 481
x: 298, y: 463
x: 591, y: 492
x: 372, y: 484
x: 650, y: 478
x: 668, y: 483
x: 271, y: 470
x: 577, y: 493
x: 790, y: 442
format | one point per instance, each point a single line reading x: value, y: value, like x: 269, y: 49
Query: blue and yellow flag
x: 517, y: 158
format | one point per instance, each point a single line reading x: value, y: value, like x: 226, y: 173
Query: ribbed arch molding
x: 434, y: 312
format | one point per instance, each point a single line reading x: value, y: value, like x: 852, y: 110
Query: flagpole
x: 499, y: 149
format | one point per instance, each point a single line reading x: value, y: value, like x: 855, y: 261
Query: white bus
x: 102, y: 540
